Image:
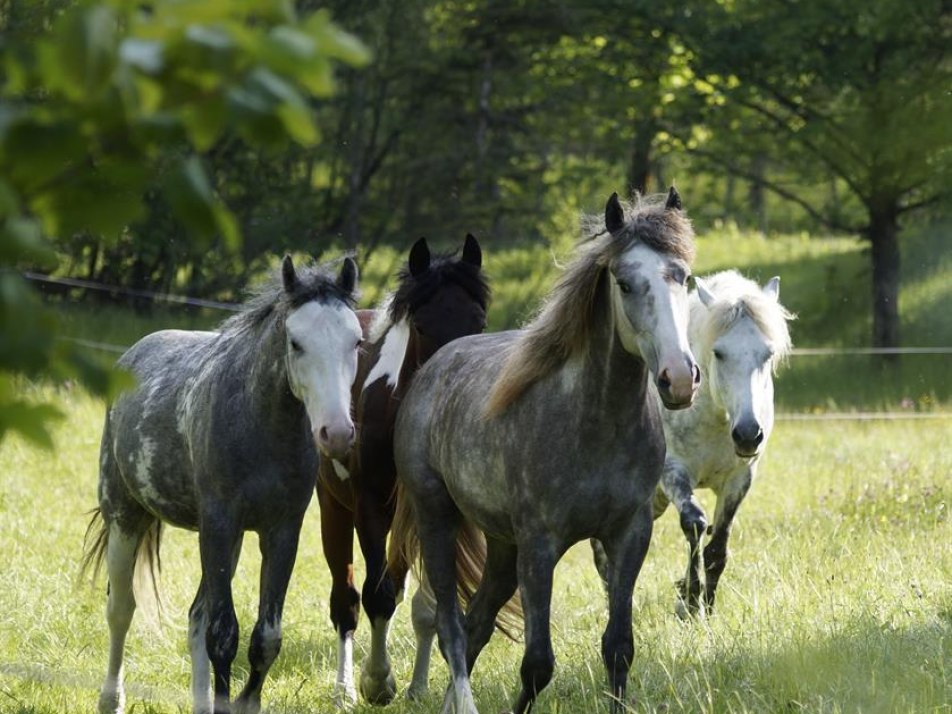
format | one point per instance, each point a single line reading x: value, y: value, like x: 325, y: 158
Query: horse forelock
x: 739, y: 298
x: 415, y: 291
x: 563, y: 326
x: 271, y: 300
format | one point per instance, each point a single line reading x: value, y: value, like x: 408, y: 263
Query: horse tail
x: 470, y: 561
x: 148, y: 562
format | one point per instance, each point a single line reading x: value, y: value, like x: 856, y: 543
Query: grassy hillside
x: 838, y: 597
x: 824, y: 280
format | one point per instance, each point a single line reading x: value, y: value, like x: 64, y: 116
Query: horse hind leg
x: 121, y: 546
x: 423, y: 617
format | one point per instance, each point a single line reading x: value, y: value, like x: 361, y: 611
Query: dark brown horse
x: 438, y: 300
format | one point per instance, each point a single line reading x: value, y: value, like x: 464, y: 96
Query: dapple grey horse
x: 221, y: 435
x: 547, y: 436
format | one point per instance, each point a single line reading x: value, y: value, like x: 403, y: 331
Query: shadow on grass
x: 860, y: 665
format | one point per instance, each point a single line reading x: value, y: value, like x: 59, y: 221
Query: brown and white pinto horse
x: 438, y: 299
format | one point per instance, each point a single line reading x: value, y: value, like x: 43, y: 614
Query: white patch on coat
x: 392, y: 353
x: 271, y: 640
x: 322, y: 372
x: 142, y: 461
x: 342, y: 473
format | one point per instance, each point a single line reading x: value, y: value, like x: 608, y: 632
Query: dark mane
x: 412, y: 292
x: 271, y: 300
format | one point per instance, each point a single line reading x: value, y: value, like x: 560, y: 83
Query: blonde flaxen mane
x: 563, y: 325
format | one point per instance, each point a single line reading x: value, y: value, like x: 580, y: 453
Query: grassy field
x: 838, y: 597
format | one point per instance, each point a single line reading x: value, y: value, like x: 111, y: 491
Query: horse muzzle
x: 678, y: 387
x: 748, y: 437
x: 335, y: 441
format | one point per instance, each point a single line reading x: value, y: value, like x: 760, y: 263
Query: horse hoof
x: 344, y: 697
x: 378, y: 690
x: 112, y: 701
x: 415, y: 694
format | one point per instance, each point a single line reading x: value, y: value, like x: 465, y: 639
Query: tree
x: 856, y: 90
x: 119, y: 99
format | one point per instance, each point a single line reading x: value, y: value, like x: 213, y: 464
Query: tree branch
x: 784, y: 193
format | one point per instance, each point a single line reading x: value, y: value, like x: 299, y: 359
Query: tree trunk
x: 884, y: 239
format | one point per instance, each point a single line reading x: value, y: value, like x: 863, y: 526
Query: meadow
x: 838, y: 596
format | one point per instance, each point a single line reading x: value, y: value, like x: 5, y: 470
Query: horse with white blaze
x: 221, y: 435
x: 546, y: 436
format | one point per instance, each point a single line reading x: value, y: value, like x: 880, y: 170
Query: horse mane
x: 739, y: 297
x: 271, y: 301
x: 414, y: 291
x: 563, y: 326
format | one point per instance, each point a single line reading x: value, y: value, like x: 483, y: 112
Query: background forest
x: 179, y: 147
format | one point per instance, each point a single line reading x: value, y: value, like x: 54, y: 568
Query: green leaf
x: 194, y: 202
x: 21, y: 240
x: 334, y: 42
x: 299, y: 123
x: 145, y: 55
x: 30, y: 420
x: 86, y: 46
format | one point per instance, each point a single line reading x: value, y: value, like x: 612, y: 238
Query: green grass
x: 838, y: 597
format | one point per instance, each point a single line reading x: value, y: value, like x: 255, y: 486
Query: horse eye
x: 295, y: 345
x: 718, y: 354
x: 624, y: 287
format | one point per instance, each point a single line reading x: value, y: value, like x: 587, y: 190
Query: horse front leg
x: 535, y: 565
x: 626, y: 551
x: 715, y: 553
x: 278, y: 553
x: 373, y: 520
x: 676, y: 487
x: 219, y: 538
x: 337, y: 541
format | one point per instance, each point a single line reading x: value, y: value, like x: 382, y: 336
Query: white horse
x: 738, y: 332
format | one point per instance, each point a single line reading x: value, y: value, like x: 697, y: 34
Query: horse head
x: 446, y: 297
x: 649, y: 293
x: 746, y: 337
x: 323, y: 337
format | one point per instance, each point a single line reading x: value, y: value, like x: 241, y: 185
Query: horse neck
x: 612, y: 378
x: 266, y: 377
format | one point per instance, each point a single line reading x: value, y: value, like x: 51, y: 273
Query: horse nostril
x: 759, y: 437
x: 323, y: 434
x: 697, y: 375
x: 664, y: 380
x: 735, y: 435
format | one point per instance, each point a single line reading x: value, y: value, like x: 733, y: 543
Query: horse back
x: 144, y: 442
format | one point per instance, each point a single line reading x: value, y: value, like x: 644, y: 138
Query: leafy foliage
x: 114, y: 104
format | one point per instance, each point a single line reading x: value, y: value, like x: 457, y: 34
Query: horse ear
x: 614, y: 215
x: 707, y: 297
x: 772, y: 288
x: 347, y: 278
x: 674, y: 200
x: 288, y: 275
x: 472, y: 253
x: 419, y: 258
